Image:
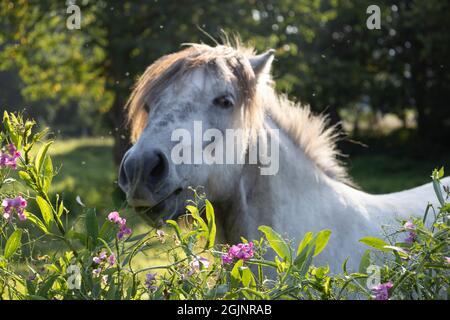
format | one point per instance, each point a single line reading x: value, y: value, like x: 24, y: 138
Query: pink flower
x: 122, y: 222
x: 447, y: 260
x: 8, y: 159
x: 18, y: 204
x: 242, y: 251
x: 382, y: 290
x: 409, y: 226
x: 114, y: 216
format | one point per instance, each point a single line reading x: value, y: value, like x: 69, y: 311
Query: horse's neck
x: 300, y: 198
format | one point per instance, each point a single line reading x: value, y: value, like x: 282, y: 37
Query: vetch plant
x: 95, y: 252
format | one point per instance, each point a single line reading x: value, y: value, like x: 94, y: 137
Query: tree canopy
x: 78, y: 80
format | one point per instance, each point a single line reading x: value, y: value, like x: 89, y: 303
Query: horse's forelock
x: 226, y: 60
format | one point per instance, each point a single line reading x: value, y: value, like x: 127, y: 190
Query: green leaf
x: 438, y: 191
x: 195, y: 214
x: 276, y: 242
x: 27, y: 179
x: 40, y: 156
x: 48, y: 284
x: 71, y: 234
x: 47, y: 173
x: 306, y: 239
x: 13, y: 243
x: 174, y: 225
x: 365, y: 262
x: 322, y: 241
x: 211, y: 224
x: 107, y: 230
x: 235, y: 273
x: 46, y: 210
x: 31, y: 288
x: 247, y: 277
x: 36, y: 221
x: 61, y: 209
x: 92, y: 226
x: 304, y: 261
x: 375, y: 243
x: 38, y: 136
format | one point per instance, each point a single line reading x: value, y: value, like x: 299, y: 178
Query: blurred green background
x: 389, y: 88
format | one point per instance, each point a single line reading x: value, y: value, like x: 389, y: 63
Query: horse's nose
x: 142, y: 172
x: 157, y: 168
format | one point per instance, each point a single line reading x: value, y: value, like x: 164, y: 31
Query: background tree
x: 78, y: 81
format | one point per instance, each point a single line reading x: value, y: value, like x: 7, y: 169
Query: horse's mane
x: 310, y: 132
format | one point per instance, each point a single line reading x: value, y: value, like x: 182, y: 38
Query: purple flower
x: 197, y: 264
x: 8, y: 159
x: 112, y: 259
x: 96, y: 272
x: 18, y: 204
x: 124, y: 230
x: 96, y: 260
x: 411, y: 228
x: 411, y: 237
x: 32, y: 276
x: 382, y: 290
x: 226, y: 258
x: 100, y: 258
x: 150, y: 279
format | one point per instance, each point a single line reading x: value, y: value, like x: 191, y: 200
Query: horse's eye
x: 146, y: 108
x: 223, y: 102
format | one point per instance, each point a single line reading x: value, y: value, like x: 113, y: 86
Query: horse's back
x: 413, y: 202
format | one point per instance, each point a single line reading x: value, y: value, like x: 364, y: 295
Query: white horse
x: 230, y: 88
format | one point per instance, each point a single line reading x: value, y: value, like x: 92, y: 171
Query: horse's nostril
x: 159, y: 168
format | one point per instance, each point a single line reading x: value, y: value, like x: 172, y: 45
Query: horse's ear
x: 261, y: 63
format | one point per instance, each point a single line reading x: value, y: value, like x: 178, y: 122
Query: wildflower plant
x: 95, y: 251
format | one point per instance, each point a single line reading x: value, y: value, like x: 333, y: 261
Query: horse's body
x: 300, y: 198
x: 310, y: 191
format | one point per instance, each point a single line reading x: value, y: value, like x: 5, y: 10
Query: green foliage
x: 92, y: 262
x: 326, y: 56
